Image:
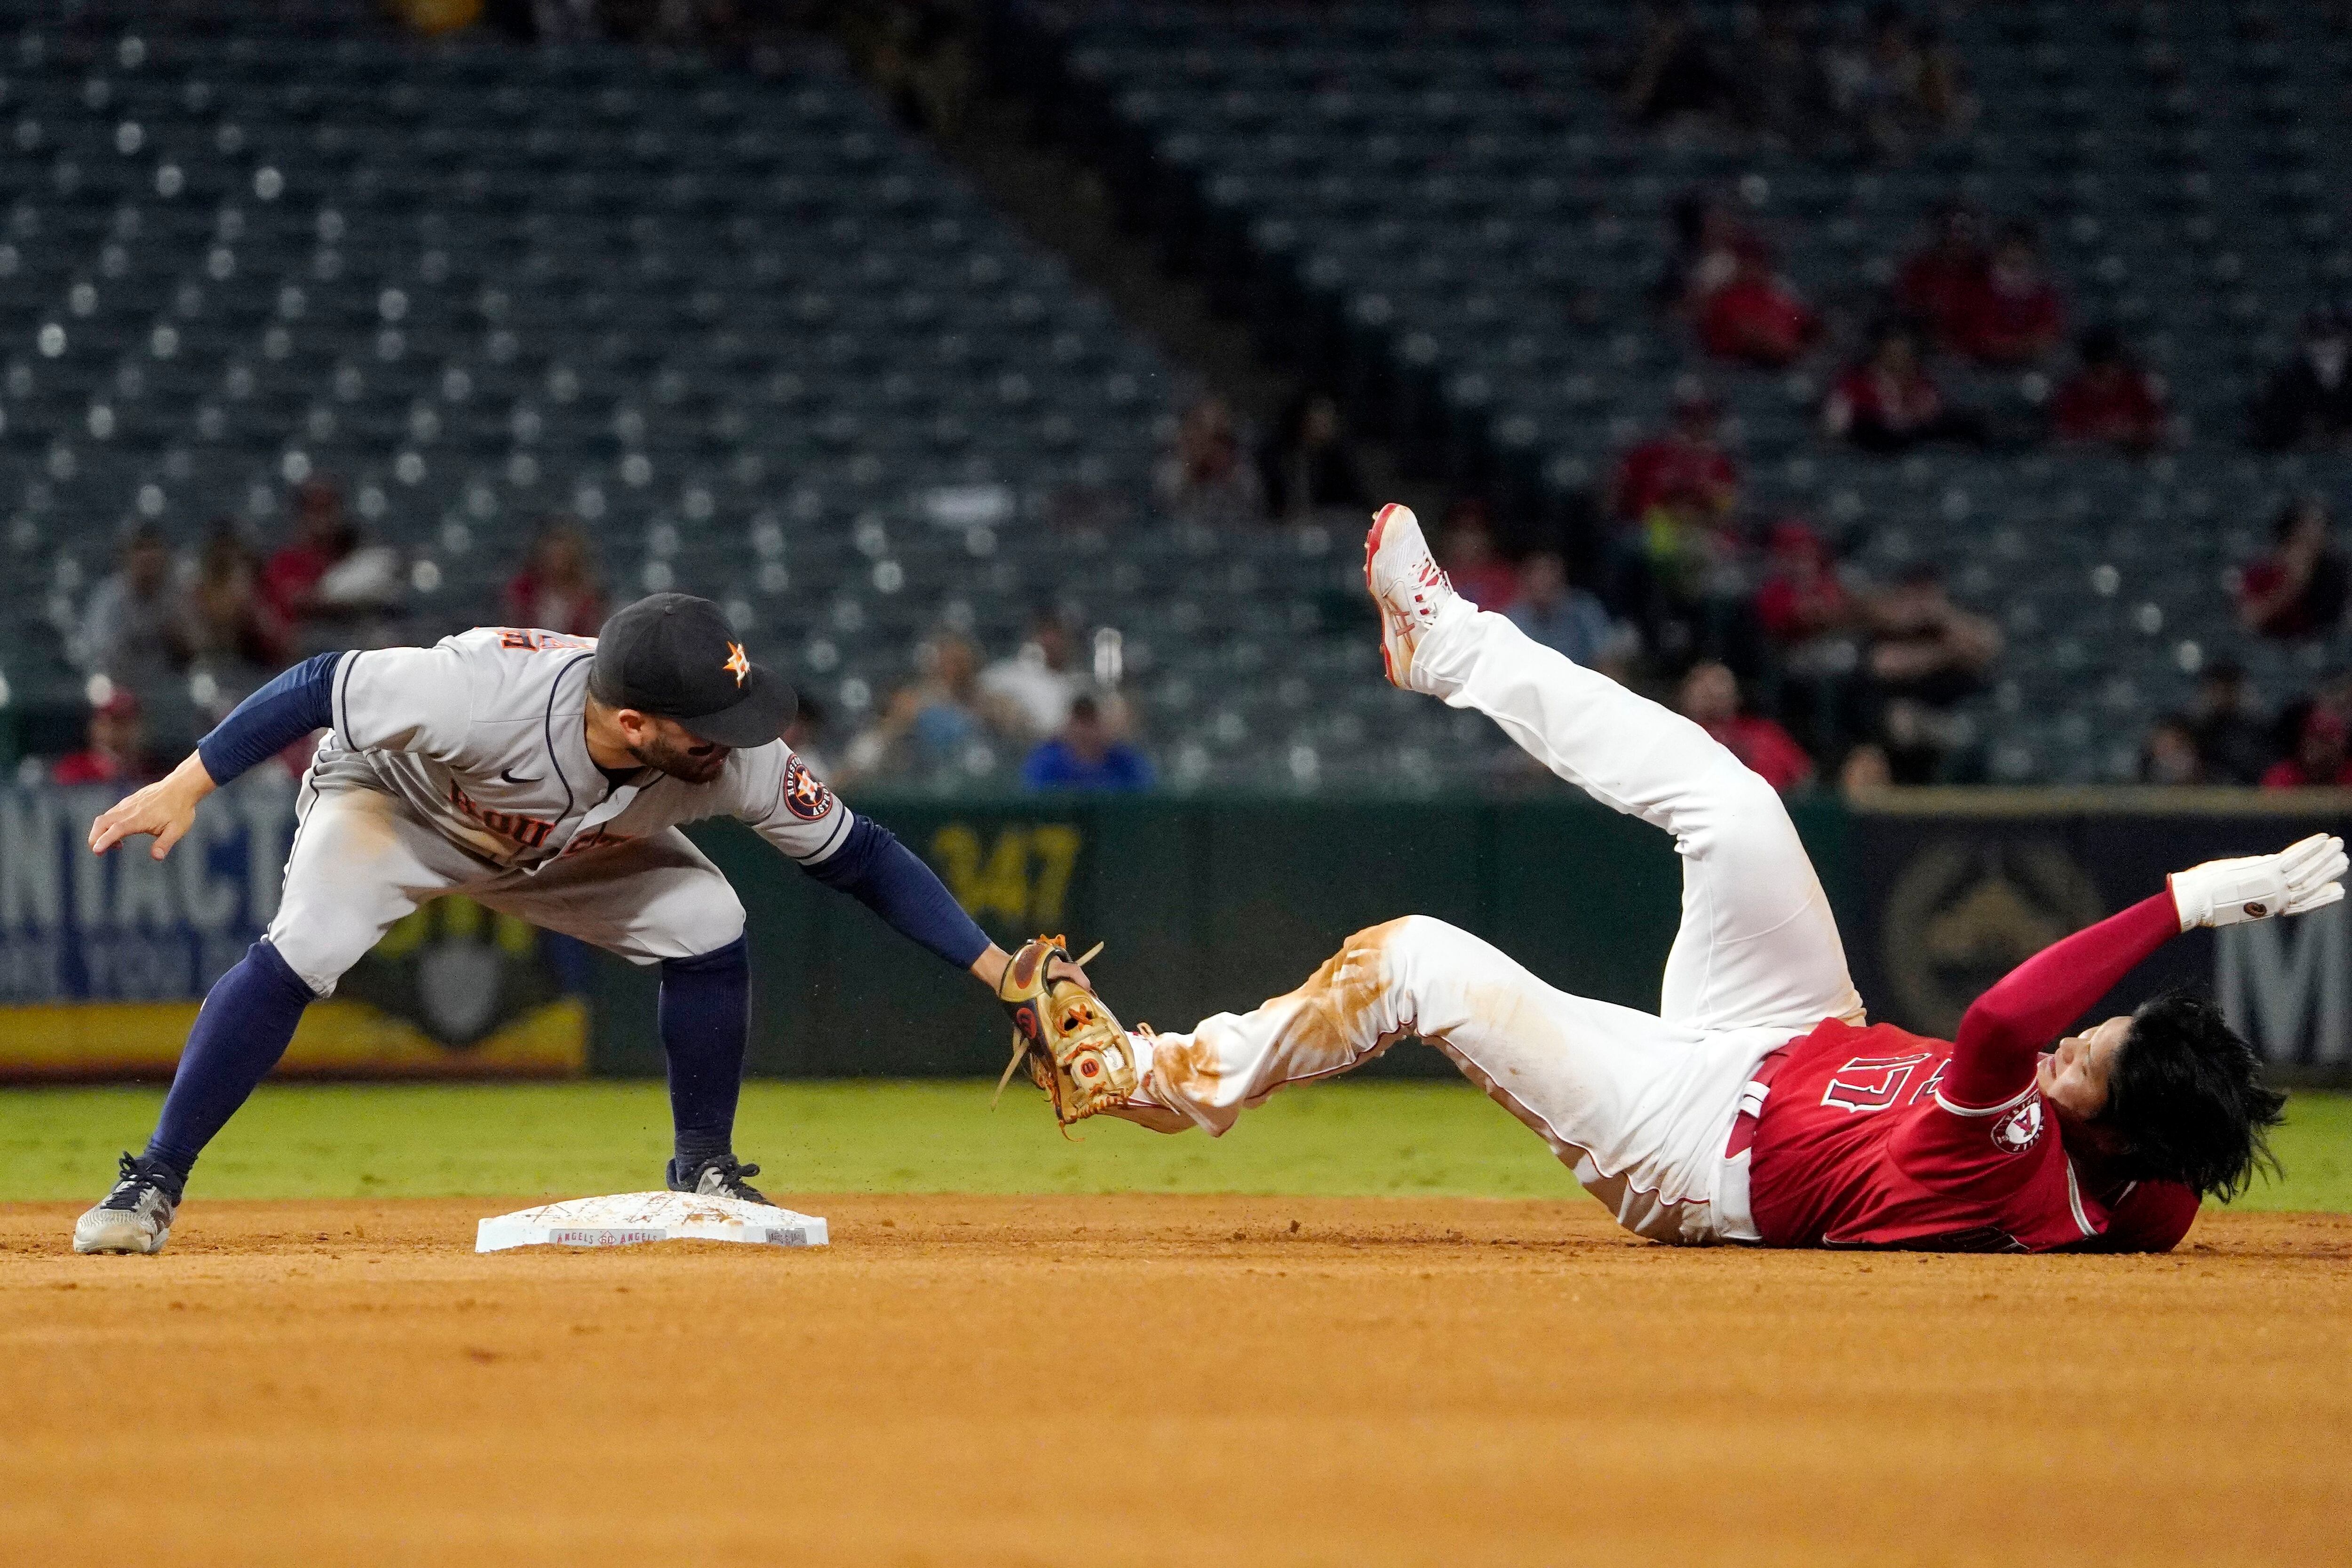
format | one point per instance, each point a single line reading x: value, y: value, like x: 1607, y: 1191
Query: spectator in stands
x: 1865, y: 771
x: 1926, y: 654
x: 1939, y: 279
x: 1686, y: 463
x: 230, y: 629
x: 1036, y: 685
x: 1308, y: 468
x: 1466, y: 549
x: 329, y: 580
x: 1205, y: 481
x: 2169, y: 754
x: 134, y: 630
x: 1562, y: 616
x: 557, y: 588
x: 1674, y: 78
x: 2321, y: 759
x: 1896, y: 84
x: 2308, y: 400
x: 1086, y: 755
x: 1886, y: 403
x: 1785, y: 96
x: 2299, y: 589
x: 2011, y: 314
x: 1758, y: 318
x: 2233, y: 741
x: 2112, y: 400
x: 938, y: 722
x: 916, y: 54
x: 1708, y: 237
x: 1709, y: 698
x: 1802, y: 604
x: 114, y: 750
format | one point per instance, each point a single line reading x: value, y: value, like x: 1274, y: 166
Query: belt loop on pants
x: 1751, y: 1102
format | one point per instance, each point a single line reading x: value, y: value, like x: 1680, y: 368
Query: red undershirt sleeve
x: 1993, y: 1056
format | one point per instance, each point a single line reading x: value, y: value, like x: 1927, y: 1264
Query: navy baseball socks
x: 706, y: 1023
x: 244, y: 1026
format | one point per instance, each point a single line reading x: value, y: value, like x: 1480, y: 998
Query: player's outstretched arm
x: 282, y: 712
x: 2304, y: 876
x: 2005, y: 1030
x: 2008, y: 1026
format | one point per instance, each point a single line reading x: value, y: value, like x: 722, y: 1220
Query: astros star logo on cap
x: 739, y: 663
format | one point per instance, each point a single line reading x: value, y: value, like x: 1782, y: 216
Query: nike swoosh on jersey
x: 507, y: 774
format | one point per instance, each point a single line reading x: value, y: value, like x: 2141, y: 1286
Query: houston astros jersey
x: 1858, y: 1146
x: 484, y: 735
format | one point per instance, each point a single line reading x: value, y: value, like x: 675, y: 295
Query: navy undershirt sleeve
x: 875, y: 868
x: 294, y: 703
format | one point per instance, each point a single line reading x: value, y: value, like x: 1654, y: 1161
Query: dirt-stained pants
x: 1641, y: 1104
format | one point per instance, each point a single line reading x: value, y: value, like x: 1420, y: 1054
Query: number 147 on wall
x: 1023, y: 880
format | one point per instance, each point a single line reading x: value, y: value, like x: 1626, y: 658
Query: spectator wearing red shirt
x: 2013, y: 314
x: 1801, y: 598
x: 2300, y: 588
x: 1684, y: 465
x: 323, y: 537
x: 329, y: 580
x: 1888, y: 404
x: 557, y: 588
x: 1710, y: 698
x: 2321, y: 759
x: 1937, y: 278
x: 1465, y: 548
x: 1758, y: 318
x: 114, y: 751
x: 2112, y: 399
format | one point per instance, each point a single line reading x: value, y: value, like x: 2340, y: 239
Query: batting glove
x: 2297, y: 880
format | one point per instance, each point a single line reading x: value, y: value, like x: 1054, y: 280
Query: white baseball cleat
x: 136, y: 1216
x: 1404, y: 581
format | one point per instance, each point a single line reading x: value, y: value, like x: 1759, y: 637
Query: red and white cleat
x: 1407, y: 586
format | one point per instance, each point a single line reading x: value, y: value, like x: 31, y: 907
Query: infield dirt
x: 1163, y: 1380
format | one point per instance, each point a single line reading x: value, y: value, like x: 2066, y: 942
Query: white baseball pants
x: 362, y: 859
x: 1641, y: 1104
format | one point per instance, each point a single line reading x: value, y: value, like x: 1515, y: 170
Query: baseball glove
x: 1075, y: 1051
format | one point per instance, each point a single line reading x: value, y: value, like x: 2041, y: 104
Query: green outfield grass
x: 866, y: 1136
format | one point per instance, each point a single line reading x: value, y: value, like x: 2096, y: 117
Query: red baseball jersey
x: 1875, y: 1137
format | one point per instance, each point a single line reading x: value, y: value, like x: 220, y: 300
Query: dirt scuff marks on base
x: 1365, y: 1382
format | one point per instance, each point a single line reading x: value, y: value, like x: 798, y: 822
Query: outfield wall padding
x: 1210, y: 905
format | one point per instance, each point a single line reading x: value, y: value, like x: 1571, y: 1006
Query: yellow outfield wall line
x: 335, y: 1039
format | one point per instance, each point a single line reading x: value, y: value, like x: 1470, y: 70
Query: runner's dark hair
x: 2188, y: 1102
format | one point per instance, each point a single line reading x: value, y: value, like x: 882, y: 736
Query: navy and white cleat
x: 720, y: 1176
x: 136, y: 1216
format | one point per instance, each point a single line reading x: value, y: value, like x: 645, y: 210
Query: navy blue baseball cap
x: 674, y: 657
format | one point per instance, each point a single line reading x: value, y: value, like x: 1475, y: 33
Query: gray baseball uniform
x: 463, y: 768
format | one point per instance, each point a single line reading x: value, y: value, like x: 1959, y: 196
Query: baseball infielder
x: 545, y: 776
x: 1755, y: 1104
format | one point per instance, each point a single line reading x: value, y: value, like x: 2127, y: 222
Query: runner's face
x: 2072, y: 1075
x: 667, y: 745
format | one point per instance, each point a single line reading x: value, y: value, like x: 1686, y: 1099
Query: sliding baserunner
x: 1757, y: 1104
x: 541, y: 775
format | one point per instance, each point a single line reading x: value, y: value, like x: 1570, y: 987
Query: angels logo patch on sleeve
x: 805, y: 794
x: 2019, y: 1130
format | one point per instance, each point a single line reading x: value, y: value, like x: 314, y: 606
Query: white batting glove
x: 2297, y: 880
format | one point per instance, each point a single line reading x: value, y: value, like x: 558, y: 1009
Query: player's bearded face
x: 667, y: 746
